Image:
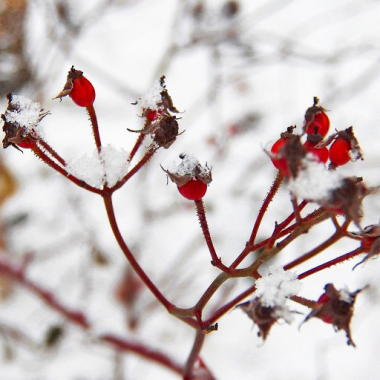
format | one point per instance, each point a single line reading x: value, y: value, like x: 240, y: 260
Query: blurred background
x: 240, y: 72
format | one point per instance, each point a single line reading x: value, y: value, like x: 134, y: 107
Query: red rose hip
x: 339, y: 151
x: 193, y: 190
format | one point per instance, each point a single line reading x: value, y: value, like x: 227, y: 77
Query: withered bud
x: 336, y: 307
x: 348, y: 198
x: 263, y: 316
x: 68, y: 87
x: 294, y: 152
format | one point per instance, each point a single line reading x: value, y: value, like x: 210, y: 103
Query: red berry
x: 83, y: 92
x: 319, y: 124
x: 193, y: 190
x: 280, y: 163
x: 322, y: 154
x: 339, y: 151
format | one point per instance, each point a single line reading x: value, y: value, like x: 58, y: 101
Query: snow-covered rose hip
x: 190, y: 177
x: 21, y: 122
x: 79, y: 88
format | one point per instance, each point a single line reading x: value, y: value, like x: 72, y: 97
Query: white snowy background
x: 259, y: 70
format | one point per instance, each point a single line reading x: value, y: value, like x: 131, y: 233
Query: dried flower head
x: 157, y: 108
x: 336, y: 307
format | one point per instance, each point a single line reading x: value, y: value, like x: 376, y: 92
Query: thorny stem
x: 142, y: 351
x: 312, y: 219
x: 128, y: 254
x: 183, y: 314
x: 52, y: 152
x: 215, y: 260
x: 296, y: 209
x: 95, y: 128
x: 194, y: 354
x: 280, y: 227
x: 330, y: 263
x: 144, y: 160
x: 40, y: 154
x: 136, y: 147
x: 210, y: 291
x: 228, y: 306
x: 272, y: 192
x: 330, y: 241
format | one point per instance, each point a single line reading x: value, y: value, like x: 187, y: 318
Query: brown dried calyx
x: 336, y: 307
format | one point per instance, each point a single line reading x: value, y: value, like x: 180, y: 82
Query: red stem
x: 136, y: 147
x: 129, y: 255
x: 40, y: 154
x: 95, y: 128
x: 330, y: 263
x: 334, y: 238
x: 147, y: 156
x: 194, y: 354
x: 228, y: 306
x: 142, y: 351
x: 52, y: 152
x: 49, y: 298
x: 78, y: 318
x: 215, y: 260
x: 272, y: 192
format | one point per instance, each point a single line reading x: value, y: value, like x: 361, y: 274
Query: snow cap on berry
x: 22, y: 121
x: 189, y: 169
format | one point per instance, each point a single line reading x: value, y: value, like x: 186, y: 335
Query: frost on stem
x: 272, y: 293
x: 22, y: 122
x: 109, y: 167
x: 157, y: 109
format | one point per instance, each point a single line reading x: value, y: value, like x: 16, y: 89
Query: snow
x: 111, y: 165
x: 151, y: 98
x: 187, y: 166
x: 314, y: 182
x: 25, y: 113
x: 275, y: 288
